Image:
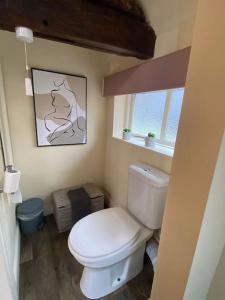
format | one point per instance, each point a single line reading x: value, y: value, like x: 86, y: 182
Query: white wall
x: 210, y: 246
x: 50, y: 168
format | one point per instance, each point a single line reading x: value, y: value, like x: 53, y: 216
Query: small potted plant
x: 126, y: 134
x: 150, y: 139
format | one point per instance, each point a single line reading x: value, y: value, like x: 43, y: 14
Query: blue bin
x: 30, y: 215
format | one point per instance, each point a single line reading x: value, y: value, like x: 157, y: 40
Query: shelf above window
x: 140, y: 143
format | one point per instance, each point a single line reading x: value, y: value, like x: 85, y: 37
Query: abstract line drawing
x: 60, y: 102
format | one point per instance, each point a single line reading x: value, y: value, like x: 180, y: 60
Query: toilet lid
x: 103, y: 232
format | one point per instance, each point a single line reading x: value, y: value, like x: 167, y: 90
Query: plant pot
x: 149, y: 141
x: 127, y: 136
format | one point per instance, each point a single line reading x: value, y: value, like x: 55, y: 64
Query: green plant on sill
x: 127, y: 130
x: 151, y: 135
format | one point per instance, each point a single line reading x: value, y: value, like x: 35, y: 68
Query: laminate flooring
x: 52, y: 273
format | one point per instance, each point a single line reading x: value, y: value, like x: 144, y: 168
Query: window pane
x: 148, y: 112
x: 174, y: 115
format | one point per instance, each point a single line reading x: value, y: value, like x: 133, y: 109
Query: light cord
x: 26, y: 60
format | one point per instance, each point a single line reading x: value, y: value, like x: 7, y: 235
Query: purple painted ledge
x: 161, y: 73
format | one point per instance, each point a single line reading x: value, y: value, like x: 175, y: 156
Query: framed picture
x: 60, y: 105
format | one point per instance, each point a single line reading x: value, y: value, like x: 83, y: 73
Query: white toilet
x: 110, y: 243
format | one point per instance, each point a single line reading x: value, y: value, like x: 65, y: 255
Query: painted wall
x: 217, y: 288
x: 7, y: 246
x: 118, y: 154
x: 211, y: 240
x: 195, y: 154
x: 50, y: 168
x: 9, y: 229
x: 4, y: 280
x: 173, y: 22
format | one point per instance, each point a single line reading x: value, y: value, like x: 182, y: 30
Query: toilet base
x: 96, y: 283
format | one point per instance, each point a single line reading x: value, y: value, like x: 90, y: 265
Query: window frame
x: 129, y: 120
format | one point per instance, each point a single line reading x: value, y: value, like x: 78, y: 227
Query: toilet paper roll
x: 11, y: 181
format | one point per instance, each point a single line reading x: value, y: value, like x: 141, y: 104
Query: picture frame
x: 60, y: 108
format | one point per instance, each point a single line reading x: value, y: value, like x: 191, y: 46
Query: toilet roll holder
x: 9, y: 168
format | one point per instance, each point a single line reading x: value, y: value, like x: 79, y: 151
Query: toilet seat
x: 103, y: 233
x: 105, y: 237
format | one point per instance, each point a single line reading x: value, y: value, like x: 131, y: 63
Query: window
x: 158, y: 112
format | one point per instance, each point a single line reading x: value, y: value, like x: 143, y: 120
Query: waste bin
x: 30, y: 215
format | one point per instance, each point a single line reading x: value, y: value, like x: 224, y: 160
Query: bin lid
x: 30, y: 206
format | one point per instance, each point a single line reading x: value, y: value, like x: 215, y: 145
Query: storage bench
x: 62, y: 204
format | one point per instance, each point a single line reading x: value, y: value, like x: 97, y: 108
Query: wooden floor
x: 50, y: 272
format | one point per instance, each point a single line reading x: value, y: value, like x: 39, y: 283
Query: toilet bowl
x: 110, y: 243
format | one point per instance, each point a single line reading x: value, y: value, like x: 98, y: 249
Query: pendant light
x: 25, y: 35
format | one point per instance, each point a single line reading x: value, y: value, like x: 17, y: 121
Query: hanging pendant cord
x: 27, y: 68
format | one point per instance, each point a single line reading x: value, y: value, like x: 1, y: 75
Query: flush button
x: 149, y: 170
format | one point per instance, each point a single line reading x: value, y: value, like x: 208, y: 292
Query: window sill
x: 162, y: 150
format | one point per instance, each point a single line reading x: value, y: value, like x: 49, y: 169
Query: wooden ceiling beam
x: 130, y: 7
x: 84, y: 23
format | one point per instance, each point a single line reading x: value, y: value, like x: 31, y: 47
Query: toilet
x: 110, y: 243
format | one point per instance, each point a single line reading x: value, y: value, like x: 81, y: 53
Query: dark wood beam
x: 83, y: 23
x: 129, y: 7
